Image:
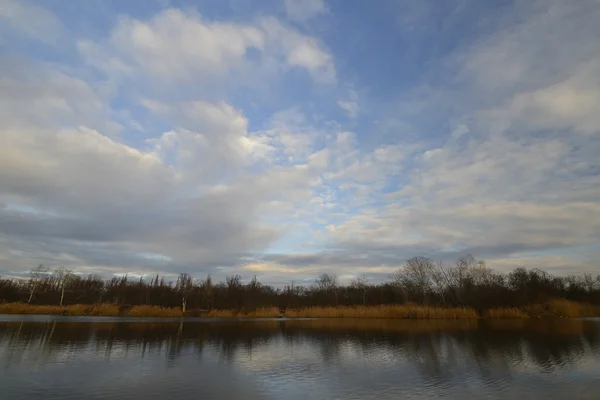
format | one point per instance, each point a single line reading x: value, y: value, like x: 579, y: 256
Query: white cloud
x: 75, y: 196
x: 350, y: 105
x: 212, y: 119
x: 31, y: 20
x: 303, y: 10
x: 494, y: 196
x: 460, y: 130
x: 517, y: 175
x: 512, y: 173
x: 77, y: 192
x: 42, y: 95
x: 178, y: 47
x: 543, y: 46
x: 175, y: 45
x: 570, y: 104
x: 300, y: 50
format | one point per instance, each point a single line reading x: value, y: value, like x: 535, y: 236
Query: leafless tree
x: 327, y: 284
x: 36, y: 275
x: 207, y: 289
x: 416, y: 276
x: 63, y: 276
x: 185, y: 286
x: 361, y: 283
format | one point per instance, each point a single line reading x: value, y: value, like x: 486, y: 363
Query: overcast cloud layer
x: 286, y: 139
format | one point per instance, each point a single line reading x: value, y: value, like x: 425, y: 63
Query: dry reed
x: 407, y: 311
x: 571, y: 309
x: 504, y: 313
x: 154, y: 311
x: 554, y: 308
x: 102, y: 310
x: 77, y: 309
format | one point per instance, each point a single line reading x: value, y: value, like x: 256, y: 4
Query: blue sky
x: 290, y: 138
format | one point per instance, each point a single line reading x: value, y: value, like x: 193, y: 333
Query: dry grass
x: 101, y: 310
x: 564, y: 308
x: 407, y: 311
x: 505, y: 313
x: 270, y: 312
x: 154, y: 311
x: 22, y: 308
x: 571, y: 309
x: 223, y: 314
x: 554, y: 308
x: 535, y: 310
x: 77, y: 309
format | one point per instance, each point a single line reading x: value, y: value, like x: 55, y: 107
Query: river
x: 125, y: 358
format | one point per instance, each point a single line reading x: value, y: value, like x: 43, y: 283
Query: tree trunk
x: 62, y: 295
x: 183, y: 304
x: 31, y: 295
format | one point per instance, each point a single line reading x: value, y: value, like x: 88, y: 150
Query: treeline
x: 467, y: 283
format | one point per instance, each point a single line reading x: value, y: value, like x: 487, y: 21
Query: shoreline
x: 558, y: 308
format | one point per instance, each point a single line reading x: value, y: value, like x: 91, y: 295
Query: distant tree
x: 517, y: 281
x: 468, y: 283
x: 35, y: 277
x: 361, y: 283
x: 327, y: 284
x: 234, y: 289
x: 415, y: 277
x: 185, y: 287
x: 63, y: 276
x: 207, y: 292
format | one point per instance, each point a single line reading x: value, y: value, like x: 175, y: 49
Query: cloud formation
x: 303, y: 10
x: 178, y: 141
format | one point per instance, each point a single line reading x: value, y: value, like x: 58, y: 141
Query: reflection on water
x: 77, y: 358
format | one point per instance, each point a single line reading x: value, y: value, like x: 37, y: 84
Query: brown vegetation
x: 504, y: 313
x: 570, y: 309
x: 406, y: 311
x: 421, y: 289
x: 154, y: 311
x: 554, y: 308
x: 104, y: 310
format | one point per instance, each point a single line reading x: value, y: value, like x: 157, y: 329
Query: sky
x: 285, y: 139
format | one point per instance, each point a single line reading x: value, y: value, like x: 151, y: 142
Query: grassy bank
x: 104, y: 310
x: 380, y: 312
x: 554, y: 308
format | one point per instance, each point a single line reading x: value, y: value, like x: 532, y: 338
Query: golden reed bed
x: 554, y: 308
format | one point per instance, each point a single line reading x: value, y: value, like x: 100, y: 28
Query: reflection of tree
x: 329, y: 349
x: 487, y: 349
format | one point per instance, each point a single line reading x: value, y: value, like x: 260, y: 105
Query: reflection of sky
x: 189, y: 361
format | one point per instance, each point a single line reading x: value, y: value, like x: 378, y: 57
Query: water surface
x: 116, y: 358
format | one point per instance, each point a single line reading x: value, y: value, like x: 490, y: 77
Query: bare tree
x: 207, y: 289
x: 184, y: 286
x: 35, y: 277
x: 479, y: 273
x: 64, y: 276
x: 361, y: 283
x: 416, y: 276
x: 440, y: 280
x: 234, y: 289
x: 589, y: 283
x: 461, y: 275
x: 327, y: 284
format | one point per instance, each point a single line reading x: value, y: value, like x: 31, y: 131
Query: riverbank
x: 554, y: 308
